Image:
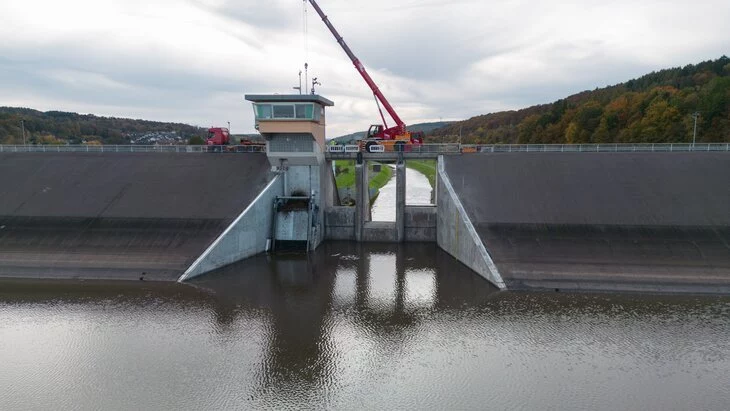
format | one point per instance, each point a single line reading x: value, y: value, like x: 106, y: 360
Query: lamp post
x: 694, y: 133
x: 22, y: 126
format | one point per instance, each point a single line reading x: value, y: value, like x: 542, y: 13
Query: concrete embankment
x: 118, y: 215
x: 601, y: 221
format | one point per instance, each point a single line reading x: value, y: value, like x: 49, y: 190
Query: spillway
x: 630, y: 221
x: 119, y: 215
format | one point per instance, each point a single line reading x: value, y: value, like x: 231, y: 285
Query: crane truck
x: 396, y: 138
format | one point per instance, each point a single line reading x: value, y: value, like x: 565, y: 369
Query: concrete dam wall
x: 117, y: 215
x: 631, y: 221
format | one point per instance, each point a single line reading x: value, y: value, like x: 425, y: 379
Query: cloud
x: 193, y: 60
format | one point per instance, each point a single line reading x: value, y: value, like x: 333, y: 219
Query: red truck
x: 220, y: 136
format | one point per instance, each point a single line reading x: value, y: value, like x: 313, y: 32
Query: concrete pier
x: 400, y: 201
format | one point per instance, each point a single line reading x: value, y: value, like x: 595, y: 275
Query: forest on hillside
x: 655, y: 108
x: 57, y: 127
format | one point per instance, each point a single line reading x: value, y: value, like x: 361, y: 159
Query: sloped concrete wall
x: 601, y: 221
x: 121, y: 216
x: 456, y: 235
x: 245, y: 237
x: 624, y: 189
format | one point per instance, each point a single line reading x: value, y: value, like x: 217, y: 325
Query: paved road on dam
x: 643, y: 221
x: 117, y: 215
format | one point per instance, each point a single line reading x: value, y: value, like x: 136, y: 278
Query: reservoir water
x: 356, y: 327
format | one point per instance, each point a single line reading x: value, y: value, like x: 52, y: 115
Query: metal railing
x: 447, y: 148
x: 455, y: 148
x: 596, y: 148
x: 255, y: 148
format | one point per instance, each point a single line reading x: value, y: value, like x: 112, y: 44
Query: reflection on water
x: 351, y: 327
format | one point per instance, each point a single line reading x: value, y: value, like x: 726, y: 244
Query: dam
x: 118, y: 215
x: 601, y: 218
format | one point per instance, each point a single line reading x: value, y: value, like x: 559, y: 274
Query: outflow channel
x: 418, y: 192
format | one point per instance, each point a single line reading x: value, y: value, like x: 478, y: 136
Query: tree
x: 196, y: 141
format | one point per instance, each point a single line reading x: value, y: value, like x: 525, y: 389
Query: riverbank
x: 426, y: 167
x: 345, y: 176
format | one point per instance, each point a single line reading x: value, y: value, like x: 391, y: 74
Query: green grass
x: 347, y: 178
x: 381, y: 179
x: 426, y: 167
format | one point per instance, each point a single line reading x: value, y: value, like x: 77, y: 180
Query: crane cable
x: 305, y: 39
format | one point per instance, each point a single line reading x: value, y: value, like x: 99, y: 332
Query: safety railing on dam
x: 433, y: 150
x: 595, y: 148
x: 350, y: 151
x: 90, y: 148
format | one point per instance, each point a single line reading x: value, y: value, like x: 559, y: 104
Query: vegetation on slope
x: 345, y: 175
x: 655, y: 108
x: 56, y: 127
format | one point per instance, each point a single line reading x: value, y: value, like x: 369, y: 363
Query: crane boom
x: 400, y: 126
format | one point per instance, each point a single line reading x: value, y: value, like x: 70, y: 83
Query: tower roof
x: 292, y: 98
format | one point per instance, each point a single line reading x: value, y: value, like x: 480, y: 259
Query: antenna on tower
x: 306, y: 78
x: 300, y: 83
x: 315, y: 83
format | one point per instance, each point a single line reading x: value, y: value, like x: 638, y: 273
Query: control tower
x: 294, y: 128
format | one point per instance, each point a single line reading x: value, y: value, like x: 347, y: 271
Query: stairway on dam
x: 118, y: 215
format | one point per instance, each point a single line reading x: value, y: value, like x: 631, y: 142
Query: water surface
x: 418, y: 192
x: 356, y: 327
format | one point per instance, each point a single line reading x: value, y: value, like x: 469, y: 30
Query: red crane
x: 397, y: 135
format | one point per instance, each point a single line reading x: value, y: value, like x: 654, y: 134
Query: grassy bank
x: 346, y: 176
x: 344, y: 173
x: 425, y: 167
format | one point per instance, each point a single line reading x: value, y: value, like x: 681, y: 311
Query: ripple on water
x: 383, y: 331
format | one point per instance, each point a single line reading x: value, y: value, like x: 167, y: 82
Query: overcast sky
x: 192, y: 61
